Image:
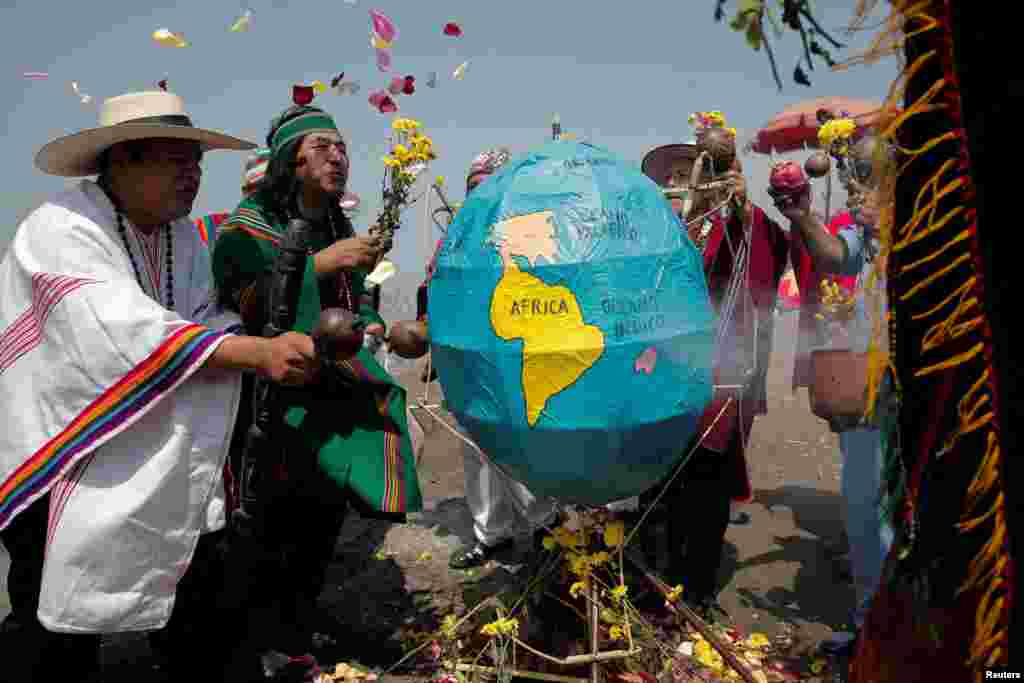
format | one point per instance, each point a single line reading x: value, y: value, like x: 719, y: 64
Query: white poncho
x: 104, y: 403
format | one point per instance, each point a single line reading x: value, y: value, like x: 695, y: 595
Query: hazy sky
x: 624, y: 75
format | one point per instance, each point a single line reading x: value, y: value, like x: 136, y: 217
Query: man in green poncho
x: 348, y: 447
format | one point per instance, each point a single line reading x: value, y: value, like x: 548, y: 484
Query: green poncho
x: 361, y: 438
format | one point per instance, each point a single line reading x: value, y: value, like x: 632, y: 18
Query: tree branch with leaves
x: 793, y: 15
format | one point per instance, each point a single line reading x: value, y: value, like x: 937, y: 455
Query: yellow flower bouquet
x: 410, y: 154
x: 836, y: 135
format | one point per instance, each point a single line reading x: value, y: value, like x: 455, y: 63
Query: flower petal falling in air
x: 383, y: 26
x: 242, y: 23
x: 302, y: 94
x: 384, y: 60
x: 167, y: 38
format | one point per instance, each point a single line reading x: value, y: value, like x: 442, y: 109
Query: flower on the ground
x: 707, y: 655
x: 609, y: 616
x: 616, y: 633
x: 580, y: 565
x: 568, y: 538
x: 674, y: 594
x: 619, y: 592
x: 758, y: 641
x: 577, y: 588
x: 614, y: 533
x: 448, y: 626
x: 506, y: 626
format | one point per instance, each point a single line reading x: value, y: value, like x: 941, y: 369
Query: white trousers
x: 502, y: 508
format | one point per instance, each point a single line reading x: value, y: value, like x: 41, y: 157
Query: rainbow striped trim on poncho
x: 116, y: 409
x: 208, y: 225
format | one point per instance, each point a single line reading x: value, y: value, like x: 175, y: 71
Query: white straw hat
x: 135, y: 116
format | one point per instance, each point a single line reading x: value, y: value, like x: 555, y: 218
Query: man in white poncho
x: 119, y: 383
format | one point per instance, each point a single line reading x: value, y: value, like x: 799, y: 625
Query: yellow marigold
x: 439, y: 181
x: 549, y: 542
x: 614, y: 534
x: 758, y: 641
x: 675, y: 594
x: 400, y: 151
x: 577, y: 588
x: 503, y: 627
x: 391, y: 162
x: 619, y: 592
x: 448, y: 626
x: 836, y: 131
x: 568, y: 539
x: 579, y: 565
x: 600, y: 558
x: 616, y: 633
x: 609, y: 616
x: 707, y: 655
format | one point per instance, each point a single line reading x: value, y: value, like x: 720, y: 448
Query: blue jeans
x: 870, y: 537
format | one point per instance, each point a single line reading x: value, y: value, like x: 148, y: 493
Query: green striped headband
x: 310, y: 122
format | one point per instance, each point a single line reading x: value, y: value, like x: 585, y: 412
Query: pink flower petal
x: 409, y: 85
x: 376, y: 98
x: 383, y: 59
x: 452, y: 29
x: 646, y: 361
x: 302, y: 94
x: 396, y: 85
x: 383, y: 26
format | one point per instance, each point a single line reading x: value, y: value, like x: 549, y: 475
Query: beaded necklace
x: 131, y: 257
x: 135, y: 267
x: 344, y: 284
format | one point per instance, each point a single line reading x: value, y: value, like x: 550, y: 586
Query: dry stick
x: 595, y: 639
x: 694, y: 620
x: 576, y: 660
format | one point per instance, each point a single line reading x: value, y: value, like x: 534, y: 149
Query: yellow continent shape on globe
x: 558, y: 347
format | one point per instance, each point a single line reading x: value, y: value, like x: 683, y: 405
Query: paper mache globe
x: 571, y: 326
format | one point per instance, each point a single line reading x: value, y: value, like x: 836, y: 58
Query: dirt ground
x: 781, y: 571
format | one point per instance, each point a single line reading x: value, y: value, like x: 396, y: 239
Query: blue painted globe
x: 570, y: 325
